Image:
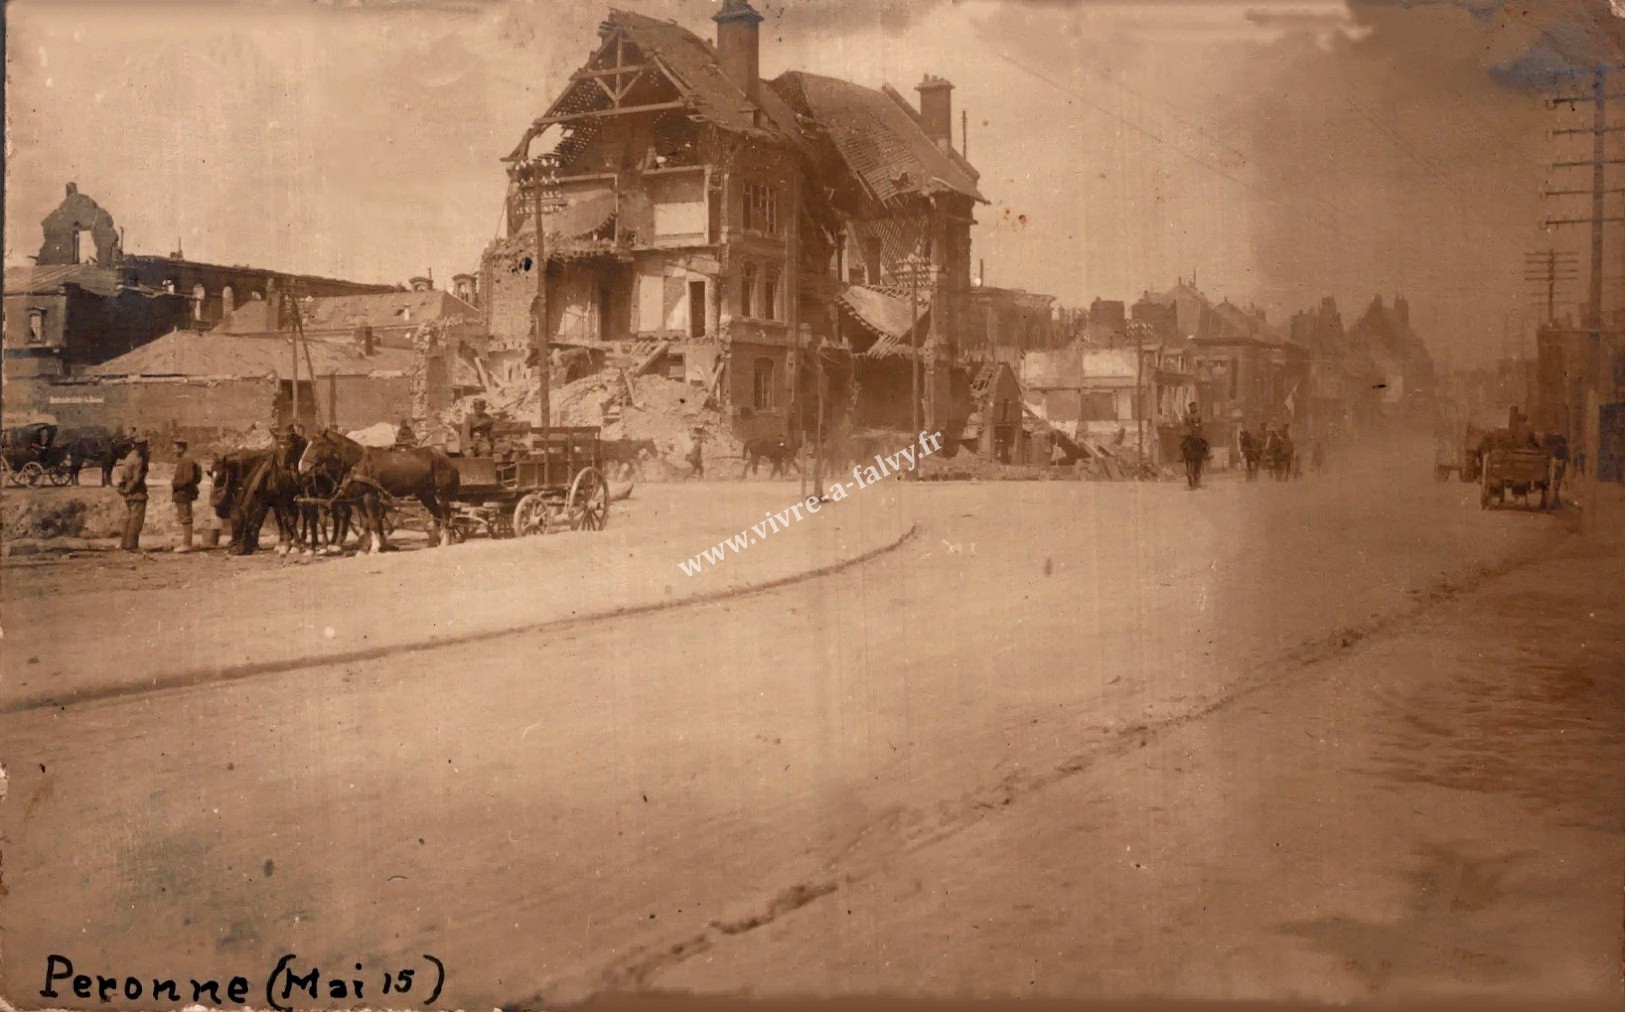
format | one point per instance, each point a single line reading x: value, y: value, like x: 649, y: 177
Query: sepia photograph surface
x: 515, y: 504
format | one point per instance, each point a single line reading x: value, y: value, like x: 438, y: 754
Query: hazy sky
x: 1276, y: 149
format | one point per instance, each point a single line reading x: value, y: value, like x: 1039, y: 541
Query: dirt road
x: 1266, y: 740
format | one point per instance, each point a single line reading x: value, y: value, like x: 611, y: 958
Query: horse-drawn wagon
x: 556, y: 482
x: 1507, y: 473
x: 29, y: 455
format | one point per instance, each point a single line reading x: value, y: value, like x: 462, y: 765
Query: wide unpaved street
x: 1339, y: 738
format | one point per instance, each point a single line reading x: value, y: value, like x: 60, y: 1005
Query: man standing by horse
x: 183, y: 492
x: 132, y: 487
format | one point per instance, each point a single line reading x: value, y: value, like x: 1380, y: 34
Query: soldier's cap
x: 181, y: 443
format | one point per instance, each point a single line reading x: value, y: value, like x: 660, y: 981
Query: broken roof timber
x: 625, y: 110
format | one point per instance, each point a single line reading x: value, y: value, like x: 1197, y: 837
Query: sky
x: 1275, y: 150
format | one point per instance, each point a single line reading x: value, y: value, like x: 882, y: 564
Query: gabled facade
x: 735, y: 224
x: 681, y: 179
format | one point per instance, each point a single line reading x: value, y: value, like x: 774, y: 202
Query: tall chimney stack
x: 739, y: 45
x: 937, y: 110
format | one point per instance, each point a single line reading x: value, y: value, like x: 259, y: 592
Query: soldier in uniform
x: 132, y: 487
x: 183, y: 492
x: 696, y: 455
x: 480, y: 424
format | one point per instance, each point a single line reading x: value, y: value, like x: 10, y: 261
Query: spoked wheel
x: 531, y: 515
x: 30, y: 474
x: 588, y: 502
x: 60, y: 476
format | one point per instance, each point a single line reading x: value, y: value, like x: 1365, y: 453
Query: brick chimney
x: 937, y: 110
x: 739, y: 47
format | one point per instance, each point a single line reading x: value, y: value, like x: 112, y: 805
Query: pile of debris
x: 967, y: 466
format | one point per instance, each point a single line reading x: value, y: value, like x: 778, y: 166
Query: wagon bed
x: 1516, y: 473
x: 555, y: 484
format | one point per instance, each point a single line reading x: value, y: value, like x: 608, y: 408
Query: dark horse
x: 1279, y: 455
x: 776, y: 450
x: 93, y: 444
x: 1193, y: 450
x: 369, y: 474
x: 238, y: 495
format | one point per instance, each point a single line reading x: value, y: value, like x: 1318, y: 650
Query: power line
x: 1137, y: 128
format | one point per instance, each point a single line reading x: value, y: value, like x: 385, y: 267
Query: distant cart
x: 29, y: 456
x: 1517, y: 474
x: 556, y: 483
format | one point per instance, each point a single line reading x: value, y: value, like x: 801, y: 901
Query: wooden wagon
x: 1517, y: 473
x: 534, y: 483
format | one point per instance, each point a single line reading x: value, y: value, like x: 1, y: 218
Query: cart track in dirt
x: 916, y: 828
x: 192, y: 679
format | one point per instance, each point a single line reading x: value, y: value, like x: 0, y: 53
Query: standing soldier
x: 188, y: 475
x: 132, y: 486
x: 696, y: 455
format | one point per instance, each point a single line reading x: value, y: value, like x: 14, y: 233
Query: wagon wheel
x: 588, y: 502
x: 30, y: 474
x: 531, y: 515
x: 60, y: 475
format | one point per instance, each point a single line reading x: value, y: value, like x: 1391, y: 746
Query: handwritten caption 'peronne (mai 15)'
x: 285, y: 986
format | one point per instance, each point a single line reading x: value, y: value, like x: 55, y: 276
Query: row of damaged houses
x: 1129, y: 376
x: 797, y: 250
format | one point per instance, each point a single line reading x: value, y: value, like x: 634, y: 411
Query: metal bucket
x: 211, y: 537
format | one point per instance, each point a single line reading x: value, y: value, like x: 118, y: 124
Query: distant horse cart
x: 30, y: 455
x: 1517, y: 473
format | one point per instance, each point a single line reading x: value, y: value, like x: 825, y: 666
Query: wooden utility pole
x: 539, y: 181
x: 1589, y: 410
x: 1138, y: 328
x: 1550, y: 269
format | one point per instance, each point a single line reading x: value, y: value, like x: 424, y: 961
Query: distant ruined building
x: 87, y: 300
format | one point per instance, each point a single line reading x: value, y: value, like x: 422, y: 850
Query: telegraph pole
x: 1550, y: 269
x: 538, y: 179
x: 1598, y: 164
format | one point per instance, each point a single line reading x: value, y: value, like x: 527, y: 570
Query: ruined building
x: 86, y: 300
x: 732, y: 225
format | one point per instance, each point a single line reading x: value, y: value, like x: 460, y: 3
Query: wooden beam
x: 624, y: 87
x: 547, y: 121
x: 582, y: 75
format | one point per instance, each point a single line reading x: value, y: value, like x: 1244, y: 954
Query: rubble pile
x: 966, y: 466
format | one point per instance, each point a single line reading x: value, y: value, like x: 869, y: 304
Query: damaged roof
x: 879, y: 137
x: 50, y: 278
x: 217, y: 355
x: 345, y: 313
x: 690, y: 63
x: 890, y: 317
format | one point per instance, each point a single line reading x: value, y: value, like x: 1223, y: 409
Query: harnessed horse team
x: 315, y: 488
